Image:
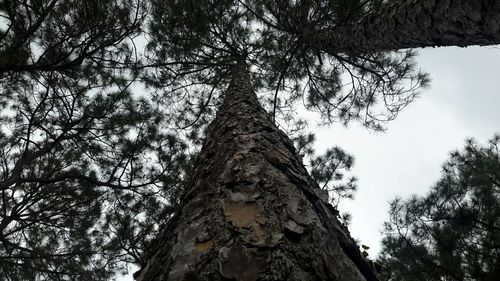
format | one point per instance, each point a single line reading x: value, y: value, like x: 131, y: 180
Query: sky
x: 462, y: 102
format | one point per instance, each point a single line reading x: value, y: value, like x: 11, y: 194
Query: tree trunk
x: 251, y: 211
x: 414, y: 24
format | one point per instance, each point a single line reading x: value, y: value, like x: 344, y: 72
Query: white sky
x: 463, y: 102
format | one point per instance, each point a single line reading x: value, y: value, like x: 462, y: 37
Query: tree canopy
x: 202, y: 39
x: 98, y: 132
x: 453, y: 232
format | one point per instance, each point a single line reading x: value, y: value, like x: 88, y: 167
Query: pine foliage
x: 452, y: 233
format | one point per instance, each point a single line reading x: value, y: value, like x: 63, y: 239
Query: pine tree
x: 453, y: 232
x: 250, y: 210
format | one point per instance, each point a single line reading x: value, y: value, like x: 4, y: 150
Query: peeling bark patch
x: 245, y: 196
x: 236, y: 263
x: 185, y: 251
x: 293, y: 231
x: 242, y: 214
x: 293, y: 227
x: 298, y: 211
x: 203, y: 247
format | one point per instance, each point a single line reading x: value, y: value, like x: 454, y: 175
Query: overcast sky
x: 463, y: 102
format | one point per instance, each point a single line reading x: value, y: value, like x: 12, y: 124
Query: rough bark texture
x: 252, y: 211
x: 415, y: 24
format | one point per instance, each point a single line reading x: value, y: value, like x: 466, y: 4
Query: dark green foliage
x: 328, y: 171
x: 370, y: 88
x: 191, y: 49
x: 86, y: 175
x: 83, y: 172
x: 56, y: 35
x: 453, y: 233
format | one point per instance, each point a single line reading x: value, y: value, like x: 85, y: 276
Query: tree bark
x: 251, y: 211
x: 414, y: 24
